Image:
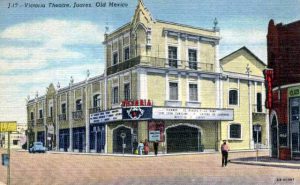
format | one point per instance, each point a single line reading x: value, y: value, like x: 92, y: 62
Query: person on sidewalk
x: 146, y: 147
x: 224, y: 150
x: 155, y: 146
x: 141, y: 147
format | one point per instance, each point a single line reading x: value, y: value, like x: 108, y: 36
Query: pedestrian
x: 141, y: 147
x: 224, y: 150
x: 155, y: 146
x: 146, y: 147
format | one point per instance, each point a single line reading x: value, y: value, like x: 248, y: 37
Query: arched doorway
x: 274, y: 143
x: 118, y: 141
x: 183, y: 138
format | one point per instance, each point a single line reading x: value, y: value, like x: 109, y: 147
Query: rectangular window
x: 31, y: 116
x: 115, y: 95
x: 258, y: 102
x: 127, y: 91
x: 51, y: 112
x: 193, y: 91
x: 96, y: 100
x: 15, y: 142
x: 193, y: 59
x: 63, y: 108
x: 173, y: 87
x: 126, y: 54
x: 115, y: 58
x: 235, y: 131
x: 78, y: 105
x: 233, y: 97
x: 40, y: 113
x: 172, y: 56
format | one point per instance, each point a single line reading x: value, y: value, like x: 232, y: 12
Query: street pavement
x: 62, y: 168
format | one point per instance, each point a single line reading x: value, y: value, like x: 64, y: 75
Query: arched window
x: 233, y: 97
x: 235, y: 131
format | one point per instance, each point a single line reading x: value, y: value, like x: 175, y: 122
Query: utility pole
x: 8, y: 165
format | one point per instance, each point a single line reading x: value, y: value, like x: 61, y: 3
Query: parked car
x: 37, y: 147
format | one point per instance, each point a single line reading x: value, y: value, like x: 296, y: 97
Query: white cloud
x: 53, y: 36
x: 255, y: 40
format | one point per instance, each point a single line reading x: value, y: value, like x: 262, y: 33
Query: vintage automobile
x: 37, y: 147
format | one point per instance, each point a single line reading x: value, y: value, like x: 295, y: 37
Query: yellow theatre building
x: 163, y: 82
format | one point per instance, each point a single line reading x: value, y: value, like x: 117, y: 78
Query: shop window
x: 40, y: 113
x: 127, y: 91
x: 115, y: 97
x: 193, y: 92
x: 173, y: 90
x: 78, y: 105
x: 193, y: 59
x: 63, y: 108
x: 126, y: 53
x: 172, y: 51
x: 235, y: 131
x: 233, y: 97
x: 96, y: 100
x: 115, y: 58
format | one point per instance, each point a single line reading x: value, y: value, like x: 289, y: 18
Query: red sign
x: 269, y: 79
x: 141, y: 102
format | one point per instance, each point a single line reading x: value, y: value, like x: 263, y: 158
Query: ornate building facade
x: 163, y: 82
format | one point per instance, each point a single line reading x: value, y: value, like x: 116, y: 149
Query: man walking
x: 224, y: 149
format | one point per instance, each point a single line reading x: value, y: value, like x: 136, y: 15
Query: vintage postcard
x: 149, y: 92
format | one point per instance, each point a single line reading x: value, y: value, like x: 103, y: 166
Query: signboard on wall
x: 192, y: 114
x: 106, y: 116
x: 154, y: 135
x: 294, y: 92
x: 137, y: 113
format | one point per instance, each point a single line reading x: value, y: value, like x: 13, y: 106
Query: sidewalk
x: 151, y: 154
x: 267, y: 161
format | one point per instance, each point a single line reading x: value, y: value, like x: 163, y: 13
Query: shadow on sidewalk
x: 267, y: 161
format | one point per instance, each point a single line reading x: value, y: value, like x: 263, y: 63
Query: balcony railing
x: 49, y: 119
x: 94, y: 110
x: 62, y: 117
x: 40, y: 121
x: 258, y: 108
x: 31, y: 123
x: 77, y: 115
x: 161, y: 62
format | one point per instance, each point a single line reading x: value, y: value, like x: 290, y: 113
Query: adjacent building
x: 17, y: 139
x: 163, y: 82
x: 283, y: 95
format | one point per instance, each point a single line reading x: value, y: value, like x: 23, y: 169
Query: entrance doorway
x: 118, y: 141
x: 183, y: 138
x: 97, y: 138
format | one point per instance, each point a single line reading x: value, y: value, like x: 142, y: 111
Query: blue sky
x: 43, y: 45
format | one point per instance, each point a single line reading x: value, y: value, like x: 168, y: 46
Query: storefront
x: 97, y: 138
x: 294, y: 114
x: 41, y: 137
x: 79, y: 139
x: 64, y: 139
